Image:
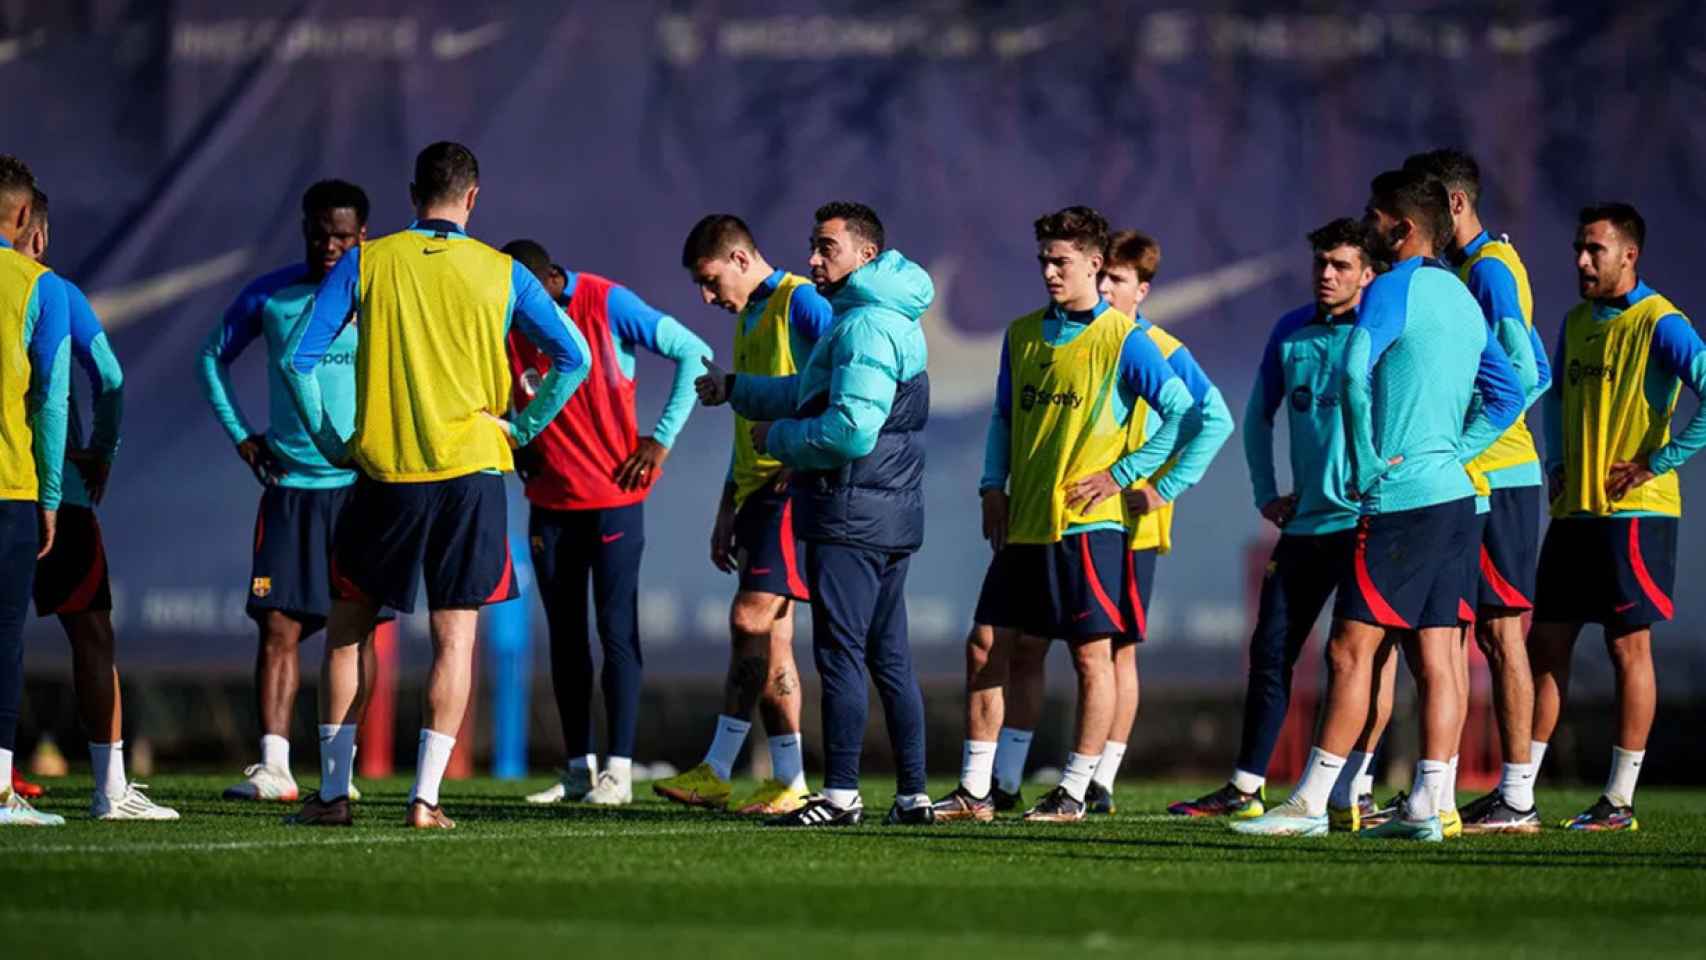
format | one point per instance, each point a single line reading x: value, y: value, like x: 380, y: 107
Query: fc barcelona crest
x: 262, y: 586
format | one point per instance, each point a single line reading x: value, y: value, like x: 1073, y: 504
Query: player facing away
x: 302, y: 495
x: 432, y: 307
x: 779, y: 318
x: 1509, y: 545
x: 1057, y: 456
x: 35, y: 355
x: 1299, y: 371
x: 71, y: 581
x: 587, y: 475
x: 849, y: 426
x: 1623, y: 355
x: 1416, y: 360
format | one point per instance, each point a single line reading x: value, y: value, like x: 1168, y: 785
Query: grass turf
x: 515, y: 879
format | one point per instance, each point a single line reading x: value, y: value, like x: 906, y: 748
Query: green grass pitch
x: 514, y: 880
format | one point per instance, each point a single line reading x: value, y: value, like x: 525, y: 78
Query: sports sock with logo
x: 1080, y: 767
x: 431, y: 759
x: 1425, y: 789
x: 1247, y: 782
x: 1108, y: 767
x: 1625, y: 770
x: 337, y: 758
x: 845, y: 799
x: 1319, y: 775
x: 622, y: 768
x: 107, y: 760
x: 1516, y: 786
x: 275, y: 751
x: 787, y: 760
x: 725, y: 746
x: 1345, y: 792
x: 977, y: 766
x: 1010, y: 754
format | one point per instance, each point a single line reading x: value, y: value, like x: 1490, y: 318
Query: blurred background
x: 175, y: 140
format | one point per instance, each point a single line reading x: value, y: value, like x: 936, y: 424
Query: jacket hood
x: 890, y: 281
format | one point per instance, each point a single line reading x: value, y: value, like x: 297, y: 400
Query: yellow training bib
x: 1607, y: 415
x: 18, y: 278
x: 1064, y: 422
x: 1516, y: 445
x: 763, y: 351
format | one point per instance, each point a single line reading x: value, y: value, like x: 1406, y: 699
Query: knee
x: 280, y: 635
x: 1632, y: 651
x: 1344, y: 657
x: 1092, y: 657
x: 752, y: 615
x: 1027, y: 657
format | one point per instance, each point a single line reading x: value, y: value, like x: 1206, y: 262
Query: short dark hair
x: 1345, y: 232
x: 1455, y: 168
x: 714, y: 235
x: 328, y: 195
x: 1082, y: 227
x: 1135, y: 249
x: 443, y: 171
x: 861, y: 220
x: 15, y: 176
x: 530, y: 254
x: 1623, y: 216
x: 38, y: 207
x: 1417, y: 197
x: 556, y: 270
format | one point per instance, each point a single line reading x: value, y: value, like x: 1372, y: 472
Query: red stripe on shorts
x: 790, y: 562
x: 1136, y: 598
x: 1508, y: 595
x: 1377, y: 605
x: 1642, y: 577
x: 1108, y: 606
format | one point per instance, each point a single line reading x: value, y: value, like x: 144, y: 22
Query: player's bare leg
x: 989, y: 653
x: 342, y: 700
x: 101, y: 707
x: 1093, y: 662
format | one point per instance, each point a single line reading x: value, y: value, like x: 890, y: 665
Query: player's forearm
x: 1259, y: 446
x: 765, y: 398
x: 215, y: 376
x: 688, y: 352
x: 1173, y: 403
x: 1518, y: 343
x: 1686, y: 444
x: 1357, y: 398
x: 997, y: 453
x: 48, y: 406
x: 109, y: 400
x: 1203, y: 435
x: 1498, y: 388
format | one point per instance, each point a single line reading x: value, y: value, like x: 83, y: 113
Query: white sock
x: 1625, y: 770
x: 845, y: 799
x: 1108, y: 767
x: 1010, y: 754
x: 1319, y: 775
x: 1448, y: 790
x: 430, y: 761
x: 1536, y: 750
x: 977, y: 766
x: 725, y: 746
x: 1345, y: 794
x: 912, y: 801
x: 108, y: 761
x: 1516, y: 786
x: 1247, y: 782
x: 275, y: 751
x: 1426, y: 788
x: 622, y: 768
x: 1080, y: 767
x: 788, y: 761
x: 5, y: 772
x: 337, y: 759
x: 586, y: 763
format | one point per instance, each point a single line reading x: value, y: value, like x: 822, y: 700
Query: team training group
x: 410, y: 372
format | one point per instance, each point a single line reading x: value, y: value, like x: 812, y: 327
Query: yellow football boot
x: 698, y: 787
x: 773, y: 798
x: 1343, y: 819
x: 1450, y: 824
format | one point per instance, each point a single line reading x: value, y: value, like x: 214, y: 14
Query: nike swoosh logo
x: 759, y: 571
x: 959, y: 361
x: 1046, y: 364
x: 118, y: 306
x: 455, y: 44
x: 612, y: 537
x: 1626, y: 607
x: 428, y: 251
x: 1079, y: 618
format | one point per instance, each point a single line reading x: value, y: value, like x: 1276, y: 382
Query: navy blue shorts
x: 1615, y: 571
x: 72, y: 578
x: 765, y: 548
x: 1510, y: 550
x: 291, y: 572
x: 1070, y: 590
x: 1136, y: 589
x: 454, y: 531
x: 1411, y: 569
